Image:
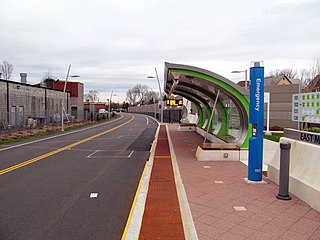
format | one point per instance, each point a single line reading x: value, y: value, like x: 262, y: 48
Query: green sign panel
x: 306, y: 107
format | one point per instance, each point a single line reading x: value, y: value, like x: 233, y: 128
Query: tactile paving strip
x: 162, y: 217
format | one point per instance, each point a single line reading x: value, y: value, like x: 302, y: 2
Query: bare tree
x: 288, y: 72
x: 132, y: 96
x: 309, y: 73
x: 91, y: 96
x: 137, y: 94
x: 151, y: 97
x: 7, y: 69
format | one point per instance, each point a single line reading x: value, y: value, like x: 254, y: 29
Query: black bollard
x: 284, y: 172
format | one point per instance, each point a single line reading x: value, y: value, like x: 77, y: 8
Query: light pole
x: 109, y: 115
x: 63, y: 97
x: 246, y: 77
x: 161, y: 100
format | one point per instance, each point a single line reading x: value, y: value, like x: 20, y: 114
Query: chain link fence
x: 19, y: 119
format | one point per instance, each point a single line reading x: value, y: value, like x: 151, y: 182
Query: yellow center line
x: 25, y: 163
x: 125, y: 232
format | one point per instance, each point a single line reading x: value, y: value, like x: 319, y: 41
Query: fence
x: 18, y: 119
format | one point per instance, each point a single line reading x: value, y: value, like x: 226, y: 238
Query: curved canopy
x: 200, y: 86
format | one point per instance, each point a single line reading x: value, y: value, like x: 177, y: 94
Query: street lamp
x: 154, y: 102
x: 246, y: 78
x: 63, y: 98
x: 109, y: 115
x: 161, y: 101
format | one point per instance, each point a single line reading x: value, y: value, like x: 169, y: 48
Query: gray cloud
x: 115, y: 44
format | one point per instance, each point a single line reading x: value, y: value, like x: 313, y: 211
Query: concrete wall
x: 281, y: 105
x: 150, y: 109
x: 304, y: 180
x: 170, y: 115
x: 3, y: 97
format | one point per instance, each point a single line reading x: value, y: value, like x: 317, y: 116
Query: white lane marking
x: 105, y: 157
x: 119, y: 136
x: 93, y: 195
x: 92, y: 153
x: 147, y: 120
x: 63, y: 134
x: 130, y: 154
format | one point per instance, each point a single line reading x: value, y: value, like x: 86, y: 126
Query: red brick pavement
x: 215, y: 189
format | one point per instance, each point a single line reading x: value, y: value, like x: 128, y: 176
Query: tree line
x: 141, y: 95
x: 305, y: 75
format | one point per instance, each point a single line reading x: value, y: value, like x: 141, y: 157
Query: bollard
x: 284, y: 172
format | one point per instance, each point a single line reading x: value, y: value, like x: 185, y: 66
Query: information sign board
x: 306, y: 107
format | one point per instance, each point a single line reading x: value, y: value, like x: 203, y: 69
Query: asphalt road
x: 48, y: 187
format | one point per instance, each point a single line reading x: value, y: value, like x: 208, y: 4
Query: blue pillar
x: 257, y: 121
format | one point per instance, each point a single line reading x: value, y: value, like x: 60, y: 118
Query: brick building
x: 76, y: 91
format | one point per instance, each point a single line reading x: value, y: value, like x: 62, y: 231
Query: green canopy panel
x: 200, y: 86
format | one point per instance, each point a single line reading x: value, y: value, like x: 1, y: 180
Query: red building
x: 76, y: 95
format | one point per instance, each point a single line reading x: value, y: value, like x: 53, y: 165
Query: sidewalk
x: 224, y: 206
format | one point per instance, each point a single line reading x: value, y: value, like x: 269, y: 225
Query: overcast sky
x: 115, y: 44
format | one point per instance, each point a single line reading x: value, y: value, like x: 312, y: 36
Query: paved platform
x: 223, y: 206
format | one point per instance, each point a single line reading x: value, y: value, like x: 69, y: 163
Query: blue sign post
x: 257, y: 121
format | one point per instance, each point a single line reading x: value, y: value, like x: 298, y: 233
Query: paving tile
x: 223, y: 224
x: 200, y: 208
x: 231, y: 236
x: 285, y: 216
x: 196, y: 214
x: 271, y: 211
x: 299, y: 201
x: 305, y: 226
x: 207, y: 219
x: 283, y: 205
x: 268, y: 198
x: 281, y: 222
x: 252, y: 207
x: 313, y: 215
x: 236, y: 217
x: 273, y: 230
x: 243, y: 231
x: 251, y: 223
x: 298, y: 209
x: 203, y: 237
x: 210, y: 231
x: 262, y: 236
x: 260, y: 217
x: 315, y: 235
x: 293, y: 236
x: 217, y: 202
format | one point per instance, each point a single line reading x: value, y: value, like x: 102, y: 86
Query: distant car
x: 103, y: 111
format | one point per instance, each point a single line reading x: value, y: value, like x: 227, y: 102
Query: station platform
x: 215, y: 202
